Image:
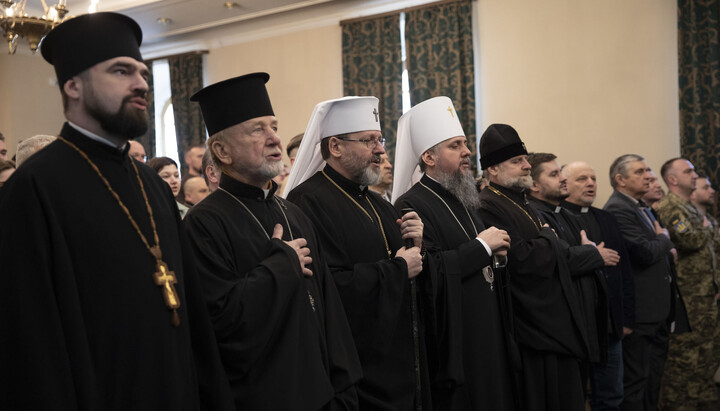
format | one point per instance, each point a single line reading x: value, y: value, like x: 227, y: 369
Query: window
x: 165, y: 139
x: 405, y: 79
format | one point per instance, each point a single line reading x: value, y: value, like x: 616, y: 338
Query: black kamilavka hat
x: 81, y: 42
x: 498, y: 143
x: 233, y: 101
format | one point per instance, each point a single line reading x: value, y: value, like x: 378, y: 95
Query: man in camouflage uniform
x: 688, y: 377
x: 703, y: 198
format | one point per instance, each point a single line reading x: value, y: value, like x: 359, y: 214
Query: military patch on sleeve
x: 679, y: 225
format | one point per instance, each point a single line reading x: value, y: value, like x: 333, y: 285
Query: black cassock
x: 548, y: 326
x: 374, y: 288
x: 84, y: 326
x: 586, y: 265
x: 284, y: 339
x: 471, y: 368
x: 601, y: 226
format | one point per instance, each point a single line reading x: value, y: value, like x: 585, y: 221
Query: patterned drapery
x: 439, y: 49
x: 372, y: 66
x: 148, y: 139
x: 699, y: 74
x: 186, y: 73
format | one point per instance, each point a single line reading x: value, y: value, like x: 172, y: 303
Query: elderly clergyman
x: 549, y: 328
x: 284, y: 340
x: 100, y: 307
x: 363, y: 238
x: 430, y: 137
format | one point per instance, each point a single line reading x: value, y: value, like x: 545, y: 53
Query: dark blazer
x: 649, y: 257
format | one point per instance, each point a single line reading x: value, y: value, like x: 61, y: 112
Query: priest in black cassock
x: 473, y: 370
x: 585, y: 259
x: 279, y: 322
x: 99, y: 305
x: 606, y: 380
x: 549, y: 327
x: 364, y: 241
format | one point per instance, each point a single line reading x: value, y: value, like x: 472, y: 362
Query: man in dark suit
x: 606, y: 380
x: 649, y: 246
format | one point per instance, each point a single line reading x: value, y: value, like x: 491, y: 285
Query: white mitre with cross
x: 331, y: 118
x: 424, y: 126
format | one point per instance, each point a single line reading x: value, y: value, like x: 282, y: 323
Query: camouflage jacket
x: 696, y: 266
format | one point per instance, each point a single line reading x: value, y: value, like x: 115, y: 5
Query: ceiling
x: 188, y: 16
x: 203, y: 24
x: 185, y: 16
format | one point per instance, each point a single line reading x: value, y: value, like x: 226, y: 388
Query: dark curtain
x: 148, y: 139
x: 439, y: 50
x: 372, y: 66
x: 186, y: 72
x: 699, y: 83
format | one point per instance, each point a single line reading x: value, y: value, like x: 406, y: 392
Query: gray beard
x: 370, y: 177
x: 519, y: 183
x: 367, y: 176
x: 269, y: 170
x: 461, y: 186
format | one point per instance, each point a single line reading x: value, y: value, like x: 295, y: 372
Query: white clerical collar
x: 96, y: 137
x: 266, y: 191
x: 584, y: 210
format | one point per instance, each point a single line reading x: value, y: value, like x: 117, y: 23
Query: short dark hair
x: 665, y: 169
x: 294, y: 143
x: 158, y: 163
x: 701, y: 174
x: 325, y: 144
x: 536, y: 159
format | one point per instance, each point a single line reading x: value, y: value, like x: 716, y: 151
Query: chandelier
x: 15, y: 22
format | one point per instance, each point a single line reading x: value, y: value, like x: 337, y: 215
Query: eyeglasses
x: 369, y: 143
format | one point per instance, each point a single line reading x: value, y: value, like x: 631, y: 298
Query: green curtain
x: 699, y: 83
x: 148, y: 139
x: 439, y: 50
x: 372, y: 66
x: 186, y: 72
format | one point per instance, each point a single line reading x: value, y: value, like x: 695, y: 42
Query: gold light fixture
x: 15, y: 22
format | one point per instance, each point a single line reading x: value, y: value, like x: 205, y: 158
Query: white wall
x: 586, y: 80
x: 583, y: 79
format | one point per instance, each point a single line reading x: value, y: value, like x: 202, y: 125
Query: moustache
x: 137, y: 94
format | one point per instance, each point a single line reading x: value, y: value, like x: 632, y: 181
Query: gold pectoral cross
x: 451, y: 111
x: 166, y: 278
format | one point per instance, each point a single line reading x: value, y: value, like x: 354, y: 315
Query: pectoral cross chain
x: 166, y: 278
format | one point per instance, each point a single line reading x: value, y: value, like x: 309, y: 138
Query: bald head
x: 680, y: 177
x: 137, y: 151
x: 195, y: 190
x: 581, y: 183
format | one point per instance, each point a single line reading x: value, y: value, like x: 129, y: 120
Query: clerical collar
x: 248, y: 191
x: 347, y: 185
x: 549, y: 206
x: 575, y: 208
x: 96, y: 137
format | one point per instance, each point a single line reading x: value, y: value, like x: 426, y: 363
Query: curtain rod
x: 390, y: 13
x: 189, y: 53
